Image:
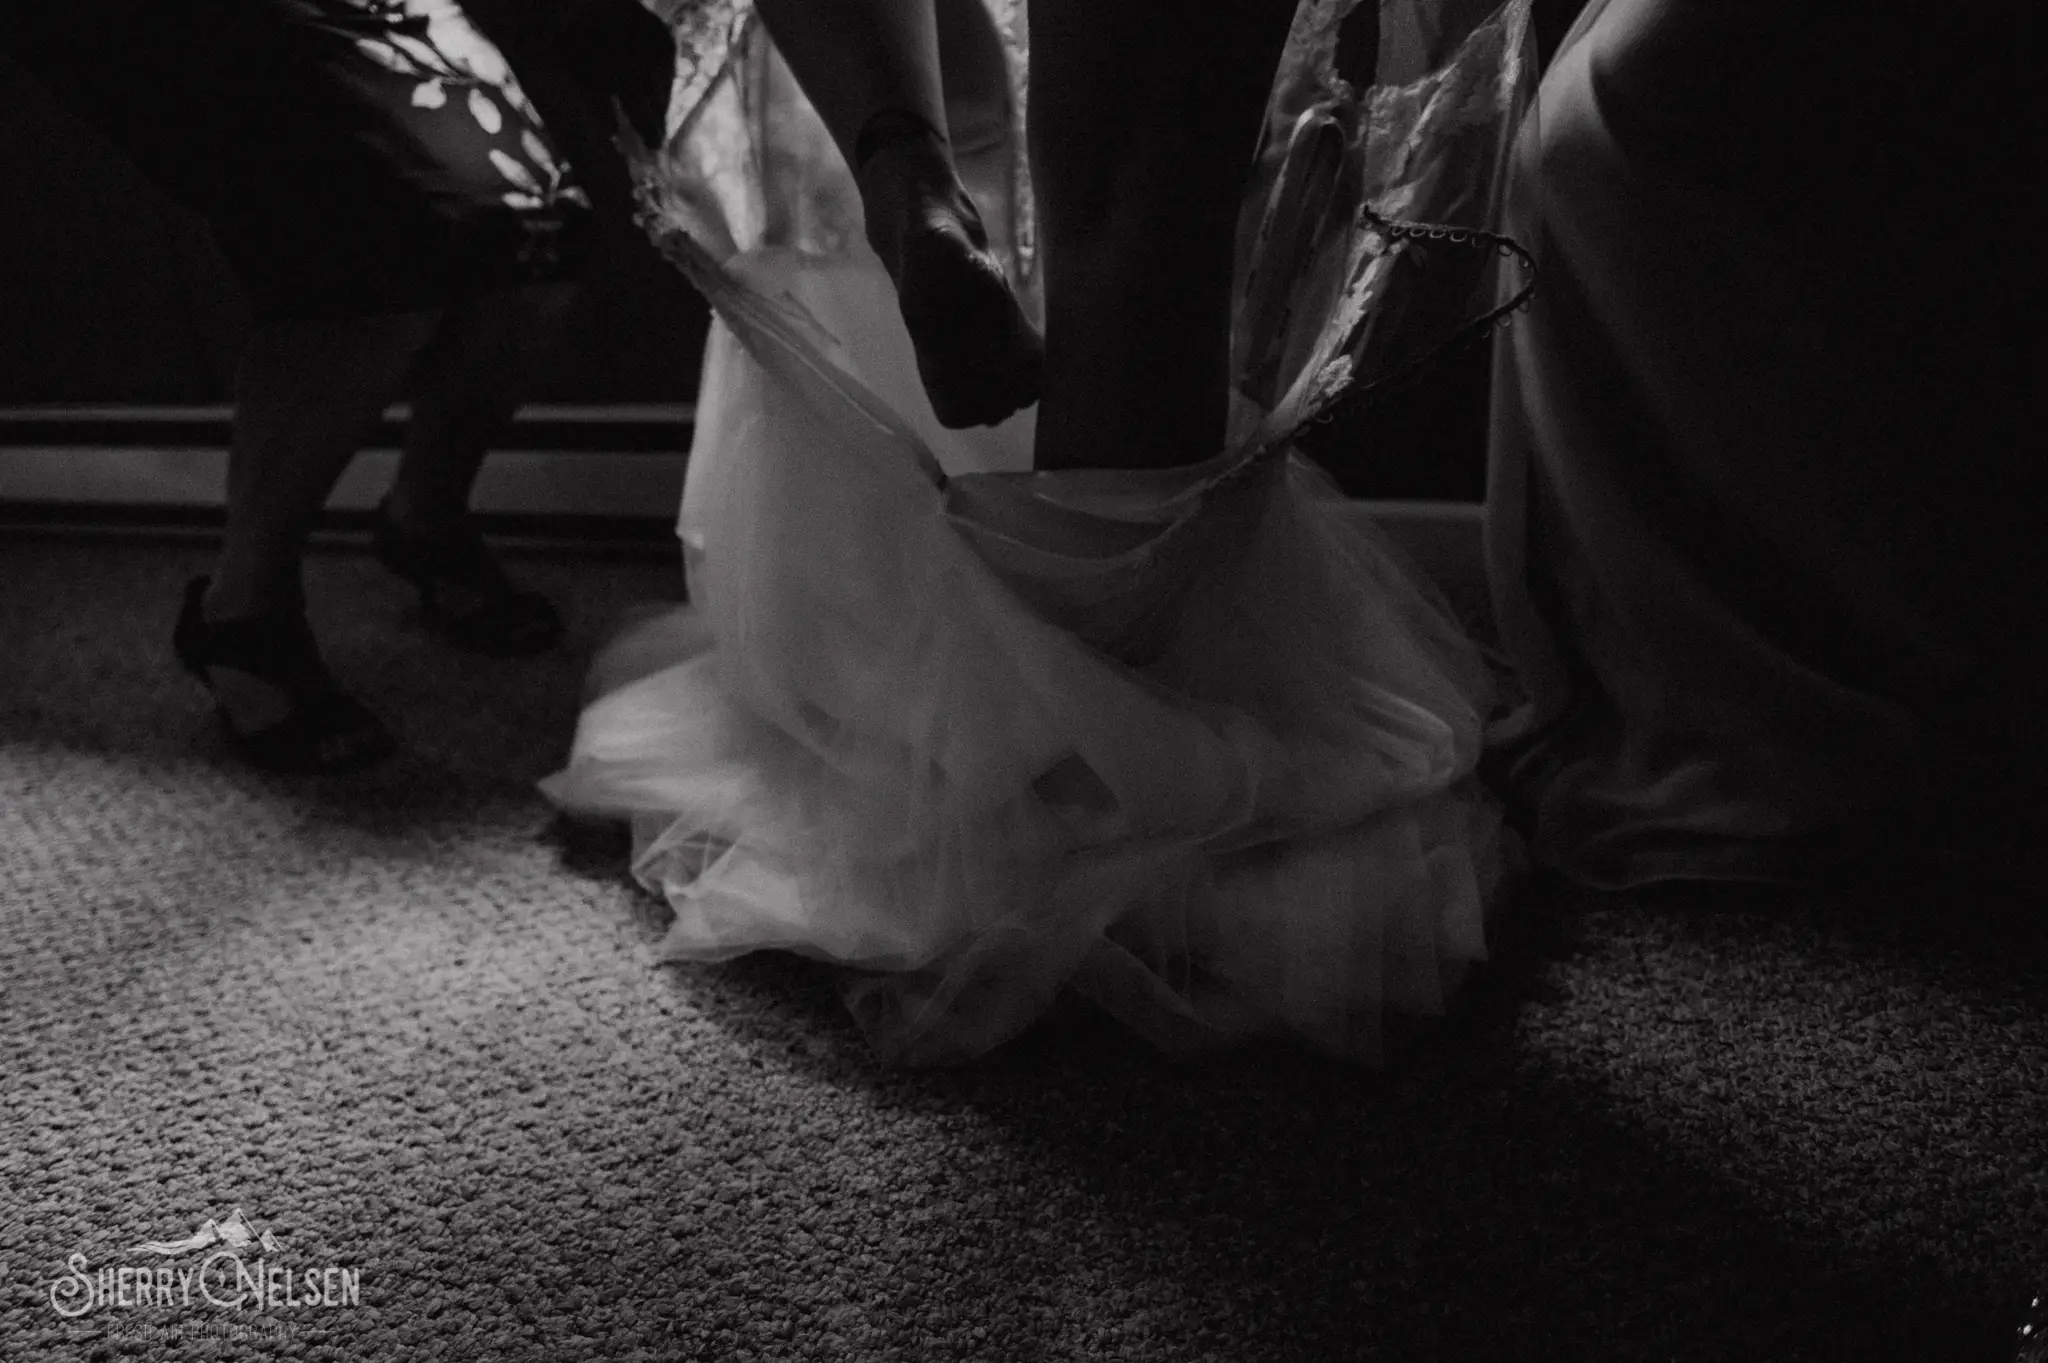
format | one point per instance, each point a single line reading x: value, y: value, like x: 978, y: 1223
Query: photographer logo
x: 227, y: 1264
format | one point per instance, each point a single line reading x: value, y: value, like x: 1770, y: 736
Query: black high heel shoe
x: 464, y: 593
x: 327, y: 730
x: 978, y: 356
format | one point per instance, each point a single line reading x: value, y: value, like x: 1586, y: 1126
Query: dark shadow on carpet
x: 411, y: 1022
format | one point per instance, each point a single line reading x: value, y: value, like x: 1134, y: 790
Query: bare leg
x: 856, y: 58
x: 873, y: 67
x: 305, y: 395
x: 1144, y: 119
x: 980, y: 127
x: 470, y: 381
x: 974, y: 79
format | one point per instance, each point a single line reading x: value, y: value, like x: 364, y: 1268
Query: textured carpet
x: 409, y: 1027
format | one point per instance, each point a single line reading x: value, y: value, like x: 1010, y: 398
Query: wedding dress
x: 1757, y: 538
x: 1195, y: 743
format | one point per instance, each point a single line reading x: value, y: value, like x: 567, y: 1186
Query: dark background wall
x: 110, y: 293
x: 107, y: 292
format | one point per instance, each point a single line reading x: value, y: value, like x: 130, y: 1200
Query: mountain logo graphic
x: 231, y: 1232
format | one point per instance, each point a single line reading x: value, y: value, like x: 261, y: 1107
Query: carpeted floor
x: 410, y: 1028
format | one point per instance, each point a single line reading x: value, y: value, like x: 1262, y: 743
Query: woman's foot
x: 978, y: 355
x: 278, y: 704
x: 464, y: 592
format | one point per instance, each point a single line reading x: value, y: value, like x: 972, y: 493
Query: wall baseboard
x: 616, y: 465
x: 513, y: 482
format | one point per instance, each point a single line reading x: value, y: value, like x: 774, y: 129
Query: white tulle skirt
x: 1196, y: 744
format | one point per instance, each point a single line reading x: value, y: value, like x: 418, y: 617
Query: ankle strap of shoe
x: 891, y: 127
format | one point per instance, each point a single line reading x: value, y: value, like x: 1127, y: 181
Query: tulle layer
x: 1195, y: 743
x: 904, y: 727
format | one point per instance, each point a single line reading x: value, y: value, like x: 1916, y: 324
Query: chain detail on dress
x: 1358, y: 397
